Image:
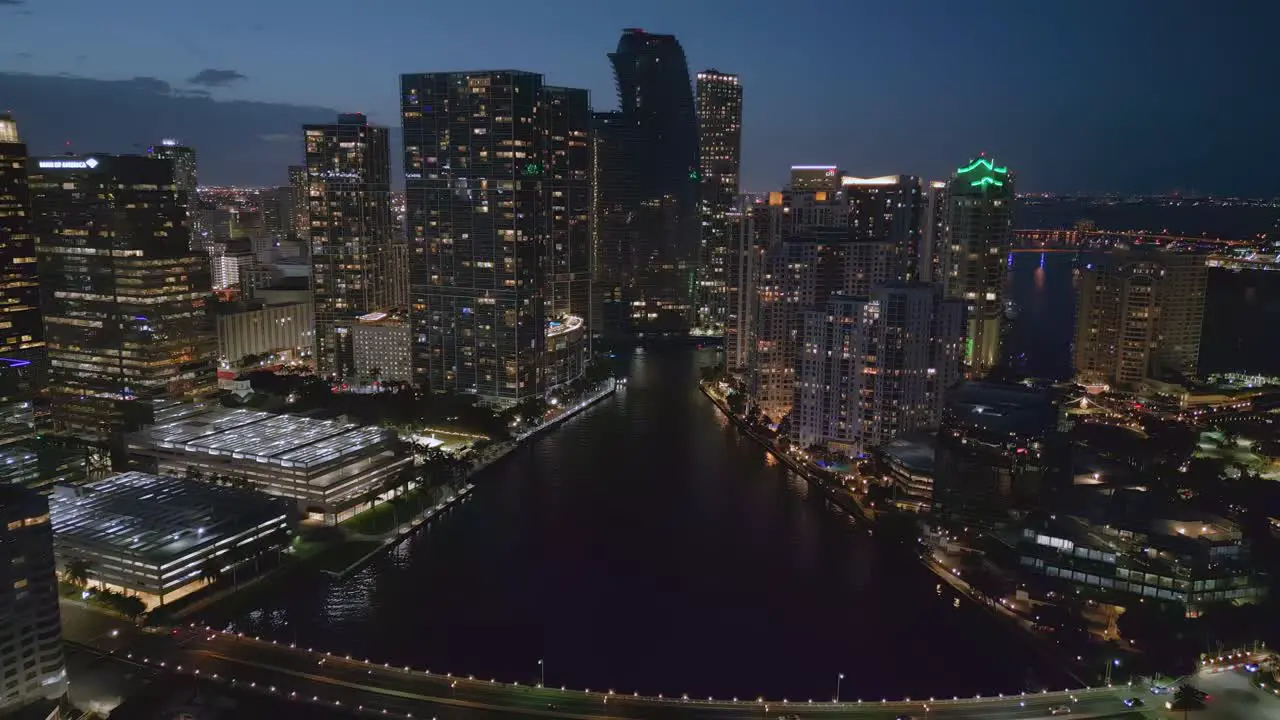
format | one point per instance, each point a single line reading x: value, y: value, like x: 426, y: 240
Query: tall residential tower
x: 349, y: 207
x: 979, y: 234
x: 719, y: 98
x: 649, y: 205
x: 21, y: 331
x: 497, y: 195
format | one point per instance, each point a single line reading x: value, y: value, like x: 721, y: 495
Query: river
x: 646, y: 546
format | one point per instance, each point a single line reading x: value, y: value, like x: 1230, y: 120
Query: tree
x: 1187, y: 698
x: 193, y: 473
x: 233, y: 557
x: 77, y: 572
x: 211, y: 570
x: 131, y: 606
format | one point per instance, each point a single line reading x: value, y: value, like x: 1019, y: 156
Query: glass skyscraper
x: 719, y: 97
x: 350, y: 232
x: 125, y: 300
x: 184, y: 174
x: 498, y: 198
x: 21, y: 332
x: 650, y: 208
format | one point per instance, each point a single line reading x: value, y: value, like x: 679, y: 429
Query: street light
x: 839, y: 677
x: 1113, y: 663
x: 542, y: 671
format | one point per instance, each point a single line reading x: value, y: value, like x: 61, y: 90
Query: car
x: 1251, y: 667
x: 1133, y: 702
x: 1159, y: 690
x: 905, y: 717
x: 1060, y: 710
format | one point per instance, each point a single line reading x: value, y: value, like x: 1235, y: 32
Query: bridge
x: 318, y: 677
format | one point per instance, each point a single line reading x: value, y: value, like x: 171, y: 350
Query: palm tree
x: 1187, y: 698
x: 193, y: 473
x: 211, y: 570
x: 371, y: 496
x: 77, y: 572
x: 131, y: 606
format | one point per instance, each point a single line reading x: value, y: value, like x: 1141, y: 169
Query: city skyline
x: 254, y: 87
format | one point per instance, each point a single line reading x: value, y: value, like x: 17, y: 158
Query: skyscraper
x: 657, y: 117
x: 1139, y: 313
x: 498, y: 196
x: 871, y: 368
x: 21, y: 331
x: 933, y: 231
x: 979, y: 235
x: 719, y: 98
x: 349, y: 207
x: 567, y: 181
x: 125, y: 300
x: 184, y: 174
x: 301, y: 225
x: 888, y: 208
x: 31, y: 633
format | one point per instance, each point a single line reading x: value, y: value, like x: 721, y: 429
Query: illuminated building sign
x: 984, y: 172
x: 88, y: 164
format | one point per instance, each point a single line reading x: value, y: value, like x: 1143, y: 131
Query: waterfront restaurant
x: 151, y: 536
x: 327, y: 467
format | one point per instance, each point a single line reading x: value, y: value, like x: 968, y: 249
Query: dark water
x: 646, y: 546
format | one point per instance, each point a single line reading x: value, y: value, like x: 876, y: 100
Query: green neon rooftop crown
x: 983, y: 163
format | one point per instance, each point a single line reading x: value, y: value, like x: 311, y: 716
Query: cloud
x: 12, y: 3
x: 151, y: 85
x: 23, y: 55
x: 210, y: 77
x: 234, y: 139
x: 279, y: 137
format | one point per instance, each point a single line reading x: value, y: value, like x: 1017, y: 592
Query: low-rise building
x: 381, y: 348
x: 326, y: 467
x: 153, y: 536
x: 31, y: 662
x: 1125, y: 544
x: 255, y: 328
x: 907, y: 462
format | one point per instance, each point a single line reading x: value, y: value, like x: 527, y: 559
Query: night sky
x: 1076, y: 96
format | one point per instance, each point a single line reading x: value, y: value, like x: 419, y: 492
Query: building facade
x: 176, y: 526
x: 31, y: 661
x: 22, y: 355
x: 891, y: 209
x: 498, y: 203
x: 657, y: 117
x: 349, y: 209
x: 125, y: 301
x: 874, y: 367
x: 253, y: 328
x: 301, y: 222
x: 979, y: 235
x: 383, y: 347
x: 719, y: 101
x: 184, y: 175
x: 1139, y: 314
x: 327, y: 468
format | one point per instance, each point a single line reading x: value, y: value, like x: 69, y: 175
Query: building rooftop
x: 285, y: 440
x: 1002, y: 408
x: 157, y: 517
x: 915, y: 451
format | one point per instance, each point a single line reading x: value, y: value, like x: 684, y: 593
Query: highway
x: 373, y: 689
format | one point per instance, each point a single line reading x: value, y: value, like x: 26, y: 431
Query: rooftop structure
x: 326, y: 466
x: 151, y: 535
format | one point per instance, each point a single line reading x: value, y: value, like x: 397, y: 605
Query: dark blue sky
x: 1086, y: 95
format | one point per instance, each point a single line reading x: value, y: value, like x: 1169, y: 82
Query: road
x: 378, y: 690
